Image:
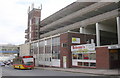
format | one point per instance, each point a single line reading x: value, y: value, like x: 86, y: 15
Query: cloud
x: 13, y: 17
x: 52, y: 6
x: 13, y: 21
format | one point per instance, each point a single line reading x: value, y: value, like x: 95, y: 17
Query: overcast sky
x: 13, y: 17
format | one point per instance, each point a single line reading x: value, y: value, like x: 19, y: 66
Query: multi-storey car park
x: 82, y: 34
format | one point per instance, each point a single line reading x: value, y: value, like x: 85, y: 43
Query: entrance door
x: 114, y: 58
x: 119, y: 58
x: 64, y: 62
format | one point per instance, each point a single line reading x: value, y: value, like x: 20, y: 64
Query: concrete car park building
x: 82, y: 34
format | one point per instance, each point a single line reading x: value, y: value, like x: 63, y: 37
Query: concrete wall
x: 24, y: 49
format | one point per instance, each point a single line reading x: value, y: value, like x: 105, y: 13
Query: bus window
x: 28, y: 61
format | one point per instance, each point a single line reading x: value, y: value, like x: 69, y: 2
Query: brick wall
x: 102, y: 58
x: 66, y: 39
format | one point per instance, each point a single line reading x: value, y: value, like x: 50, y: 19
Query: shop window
x: 85, y: 56
x: 54, y: 56
x: 92, y: 56
x: 92, y: 64
x: 79, y: 63
x: 79, y: 56
x: 74, y: 56
x: 86, y: 64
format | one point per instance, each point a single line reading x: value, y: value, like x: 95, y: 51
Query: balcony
x: 26, y: 36
x: 26, y: 41
x: 36, y: 27
x: 26, y: 31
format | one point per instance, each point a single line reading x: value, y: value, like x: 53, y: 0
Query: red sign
x: 27, y: 56
x: 78, y: 47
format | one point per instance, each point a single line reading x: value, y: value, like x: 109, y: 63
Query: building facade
x: 24, y: 49
x: 8, y: 51
x: 80, y: 25
x: 32, y: 31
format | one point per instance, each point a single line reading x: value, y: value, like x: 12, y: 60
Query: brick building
x: 32, y: 31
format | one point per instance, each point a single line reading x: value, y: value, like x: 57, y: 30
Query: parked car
x: 2, y: 64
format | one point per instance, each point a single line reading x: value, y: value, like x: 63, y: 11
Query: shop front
x: 108, y: 57
x: 84, y: 55
x: 77, y: 50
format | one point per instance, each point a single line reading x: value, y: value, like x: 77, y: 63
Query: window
x: 92, y: 56
x: 35, y: 48
x: 30, y: 22
x: 56, y: 48
x: 4, y: 49
x: 48, y: 46
x: 17, y: 61
x: 85, y: 56
x: 84, y: 59
x: 86, y: 64
x: 41, y: 47
x: 74, y: 56
x: 64, y: 45
x: 54, y: 56
x: 80, y: 64
x: 92, y: 64
x: 79, y: 56
x: 37, y: 20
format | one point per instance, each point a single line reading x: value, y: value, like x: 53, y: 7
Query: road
x: 9, y: 71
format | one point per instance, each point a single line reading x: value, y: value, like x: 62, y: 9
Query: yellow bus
x: 25, y: 62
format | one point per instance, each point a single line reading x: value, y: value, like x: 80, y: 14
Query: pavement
x: 107, y: 72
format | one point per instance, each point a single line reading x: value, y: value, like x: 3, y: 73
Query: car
x: 2, y: 64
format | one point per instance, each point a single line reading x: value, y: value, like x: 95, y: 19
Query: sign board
x: 75, y: 40
x: 83, y: 48
x: 113, y: 46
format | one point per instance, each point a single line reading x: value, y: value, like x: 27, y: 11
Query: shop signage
x: 75, y: 40
x: 114, y: 47
x: 83, y: 48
